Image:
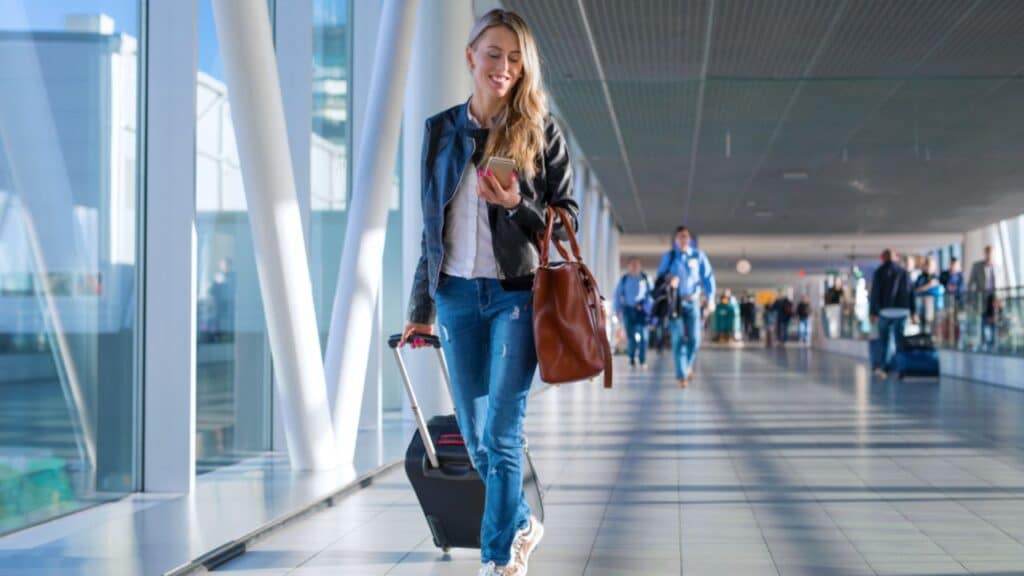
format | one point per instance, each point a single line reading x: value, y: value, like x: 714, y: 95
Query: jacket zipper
x: 444, y: 208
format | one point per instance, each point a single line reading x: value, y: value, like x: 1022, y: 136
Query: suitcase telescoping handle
x: 421, y: 422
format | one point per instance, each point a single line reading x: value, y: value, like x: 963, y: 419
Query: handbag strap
x: 558, y: 213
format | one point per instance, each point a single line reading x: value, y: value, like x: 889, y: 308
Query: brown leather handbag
x: 568, y: 313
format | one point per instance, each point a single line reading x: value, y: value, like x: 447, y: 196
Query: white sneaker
x: 525, y: 543
x: 490, y: 569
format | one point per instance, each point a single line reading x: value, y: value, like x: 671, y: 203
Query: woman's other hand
x: 413, y: 328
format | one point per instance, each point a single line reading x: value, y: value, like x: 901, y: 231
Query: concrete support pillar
x: 250, y: 69
x: 438, y: 80
x: 359, y: 275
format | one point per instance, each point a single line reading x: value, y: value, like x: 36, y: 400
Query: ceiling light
x: 794, y: 175
x: 764, y: 214
x: 743, y: 266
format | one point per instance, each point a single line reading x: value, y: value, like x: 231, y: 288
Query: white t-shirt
x: 469, y: 251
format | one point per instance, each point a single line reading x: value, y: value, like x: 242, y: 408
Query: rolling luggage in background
x: 447, y: 485
x: 916, y: 356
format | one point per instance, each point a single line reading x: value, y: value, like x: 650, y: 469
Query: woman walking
x: 479, y: 256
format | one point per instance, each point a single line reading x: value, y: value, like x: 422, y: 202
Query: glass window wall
x: 69, y: 95
x: 233, y: 371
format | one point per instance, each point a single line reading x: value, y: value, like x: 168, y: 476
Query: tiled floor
x: 771, y: 463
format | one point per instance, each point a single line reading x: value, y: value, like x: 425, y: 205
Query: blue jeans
x: 636, y: 334
x: 685, y: 338
x: 487, y: 337
x: 890, y: 331
x: 782, y: 330
x: 805, y: 329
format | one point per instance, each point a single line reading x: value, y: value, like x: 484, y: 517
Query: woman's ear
x: 469, y: 58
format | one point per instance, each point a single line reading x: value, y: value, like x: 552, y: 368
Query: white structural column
x: 604, y: 246
x: 250, y: 68
x: 438, y: 79
x: 293, y: 43
x: 359, y: 275
x: 615, y: 259
x: 579, y: 186
x: 592, y: 216
x: 169, y: 393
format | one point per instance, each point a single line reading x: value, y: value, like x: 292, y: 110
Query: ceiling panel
x: 648, y: 40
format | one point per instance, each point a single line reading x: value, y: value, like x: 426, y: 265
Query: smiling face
x: 496, y: 62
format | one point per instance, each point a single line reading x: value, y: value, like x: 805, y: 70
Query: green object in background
x: 727, y: 320
x: 31, y: 486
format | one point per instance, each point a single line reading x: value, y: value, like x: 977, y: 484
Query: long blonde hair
x: 518, y: 130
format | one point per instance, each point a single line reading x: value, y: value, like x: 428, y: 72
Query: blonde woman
x: 479, y: 256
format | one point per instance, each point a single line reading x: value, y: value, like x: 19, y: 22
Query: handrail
x: 989, y: 322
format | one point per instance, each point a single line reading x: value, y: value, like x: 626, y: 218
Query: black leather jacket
x: 451, y: 140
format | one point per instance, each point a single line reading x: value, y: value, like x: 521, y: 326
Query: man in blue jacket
x: 892, y: 303
x: 633, y: 306
x: 695, y: 274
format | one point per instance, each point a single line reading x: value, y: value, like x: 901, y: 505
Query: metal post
x: 250, y: 68
x: 361, y: 266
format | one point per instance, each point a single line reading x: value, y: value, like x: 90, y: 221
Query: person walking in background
x: 891, y: 303
x: 632, y: 303
x: 834, y: 297
x: 768, y: 318
x: 479, y: 260
x: 981, y: 289
x: 953, y: 281
x: 748, y: 317
x: 695, y: 274
x: 803, y: 315
x: 783, y: 315
x: 929, y: 294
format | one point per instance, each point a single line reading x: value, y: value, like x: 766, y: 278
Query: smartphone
x: 502, y: 168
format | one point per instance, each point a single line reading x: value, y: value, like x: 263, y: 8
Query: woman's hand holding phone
x: 491, y: 188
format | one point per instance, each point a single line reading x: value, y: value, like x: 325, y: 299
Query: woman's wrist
x: 516, y: 203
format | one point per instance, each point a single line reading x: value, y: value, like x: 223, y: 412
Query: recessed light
x: 794, y: 175
x: 764, y: 214
x: 751, y: 203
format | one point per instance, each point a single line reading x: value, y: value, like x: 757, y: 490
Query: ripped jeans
x: 487, y: 336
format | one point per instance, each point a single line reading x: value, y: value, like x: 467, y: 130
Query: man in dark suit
x: 892, y: 303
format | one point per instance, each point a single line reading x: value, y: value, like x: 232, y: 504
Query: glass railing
x: 989, y: 322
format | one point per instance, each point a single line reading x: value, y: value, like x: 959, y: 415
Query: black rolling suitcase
x: 447, y: 485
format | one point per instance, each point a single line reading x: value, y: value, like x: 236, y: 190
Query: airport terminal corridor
x: 772, y: 462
